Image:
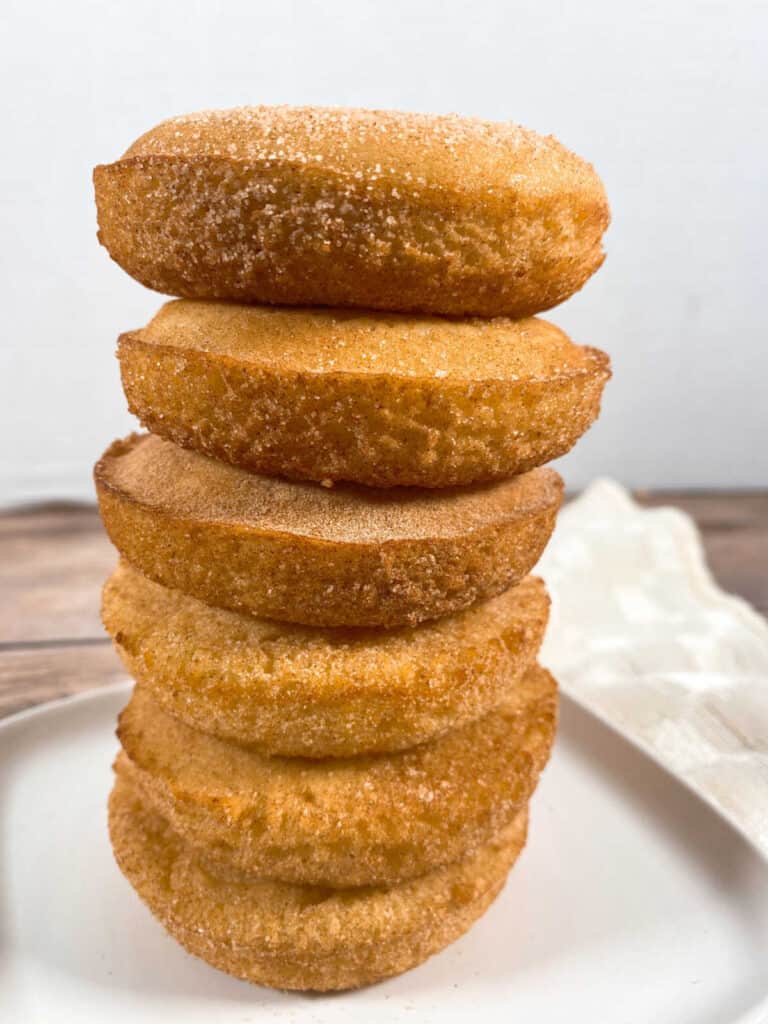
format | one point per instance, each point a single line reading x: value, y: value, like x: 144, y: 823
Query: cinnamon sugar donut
x: 346, y: 207
x: 368, y: 820
x: 299, y: 552
x: 306, y: 692
x: 383, y: 399
x: 295, y: 936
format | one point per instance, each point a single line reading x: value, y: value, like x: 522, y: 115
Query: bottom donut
x: 298, y: 936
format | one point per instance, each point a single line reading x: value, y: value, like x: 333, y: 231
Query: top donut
x: 346, y: 207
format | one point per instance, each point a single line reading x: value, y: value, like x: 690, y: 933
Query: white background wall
x: 667, y: 98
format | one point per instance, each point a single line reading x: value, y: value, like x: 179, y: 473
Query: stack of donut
x: 325, y: 539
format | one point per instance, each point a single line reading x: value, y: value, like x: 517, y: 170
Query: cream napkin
x: 642, y: 637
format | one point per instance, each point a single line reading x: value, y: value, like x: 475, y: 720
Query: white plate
x: 634, y: 902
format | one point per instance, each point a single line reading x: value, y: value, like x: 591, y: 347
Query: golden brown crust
x: 367, y: 820
x: 346, y: 207
x: 346, y: 556
x: 308, y: 692
x: 301, y: 937
x: 383, y: 400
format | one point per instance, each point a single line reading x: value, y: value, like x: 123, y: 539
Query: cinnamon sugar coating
x: 299, y: 552
x: 367, y: 820
x: 307, y: 692
x: 302, y: 937
x: 349, y: 207
x: 379, y: 399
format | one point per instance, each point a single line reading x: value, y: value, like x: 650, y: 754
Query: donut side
x: 368, y: 820
x: 298, y: 937
x: 295, y: 577
x: 302, y: 692
x: 381, y: 430
x: 368, y: 209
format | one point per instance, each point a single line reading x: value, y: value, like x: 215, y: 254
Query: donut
x: 307, y: 692
x: 302, y: 937
x: 345, y: 207
x: 300, y: 552
x: 368, y: 820
x: 384, y: 400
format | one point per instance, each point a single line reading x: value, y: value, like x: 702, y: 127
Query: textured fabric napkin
x: 642, y: 637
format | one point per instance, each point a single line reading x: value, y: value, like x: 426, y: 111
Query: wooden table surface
x: 55, y: 558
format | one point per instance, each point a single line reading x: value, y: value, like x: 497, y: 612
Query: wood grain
x: 55, y: 558
x: 31, y: 675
